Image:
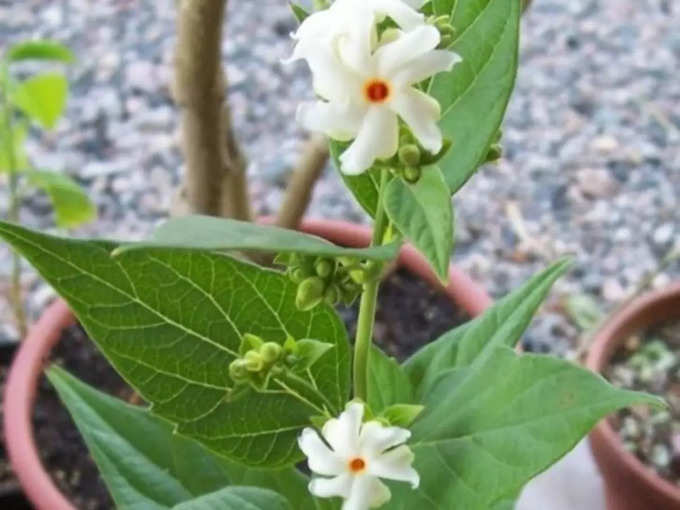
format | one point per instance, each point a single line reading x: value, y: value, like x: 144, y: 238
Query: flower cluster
x: 367, y: 59
x: 353, y: 456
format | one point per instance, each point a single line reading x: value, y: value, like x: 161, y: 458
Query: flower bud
x: 409, y: 155
x: 298, y: 274
x: 445, y: 41
x: 358, y: 275
x: 270, y: 352
x: 412, y: 174
x: 332, y: 295
x: 310, y: 293
x: 323, y: 268
x: 495, y: 153
x: 238, y: 371
x: 346, y: 261
x: 253, y: 361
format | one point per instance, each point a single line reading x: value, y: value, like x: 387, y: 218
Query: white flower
x: 365, y: 84
x: 359, y: 455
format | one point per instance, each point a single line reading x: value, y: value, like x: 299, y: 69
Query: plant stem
x: 367, y: 307
x: 14, y: 203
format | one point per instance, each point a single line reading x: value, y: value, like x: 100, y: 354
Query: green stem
x: 367, y: 307
x: 14, y: 203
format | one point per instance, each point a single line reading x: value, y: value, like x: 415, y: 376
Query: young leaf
x: 219, y: 234
x: 485, y: 435
x: 502, y: 324
x: 141, y: 458
x: 237, y: 498
x: 41, y: 49
x: 299, y: 12
x: 171, y: 322
x: 388, y: 383
x: 402, y: 415
x: 42, y: 98
x: 424, y: 214
x: 474, y: 95
x: 310, y: 352
x: 71, y: 204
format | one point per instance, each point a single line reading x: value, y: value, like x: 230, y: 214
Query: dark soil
x: 410, y: 314
x: 650, y: 361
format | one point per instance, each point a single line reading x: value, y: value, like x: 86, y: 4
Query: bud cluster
x: 258, y: 361
x: 411, y: 157
x: 326, y: 279
x: 446, y: 29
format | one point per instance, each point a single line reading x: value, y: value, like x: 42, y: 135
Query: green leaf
x: 42, y: 98
x: 424, y: 214
x: 142, y: 459
x: 71, y: 204
x: 388, y: 383
x: 299, y: 12
x: 219, y: 234
x: 483, y: 436
x: 310, y: 352
x: 171, y: 322
x: 40, y: 49
x: 442, y: 7
x: 501, y: 325
x: 475, y: 94
x: 402, y: 415
x: 365, y: 187
x: 18, y: 138
x: 237, y: 498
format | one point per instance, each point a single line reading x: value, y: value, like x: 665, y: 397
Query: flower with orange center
x: 367, y: 82
x: 351, y: 457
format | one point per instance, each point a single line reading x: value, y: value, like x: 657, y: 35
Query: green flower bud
x: 292, y: 360
x: 389, y: 35
x: 358, y: 275
x: 446, y: 29
x: 271, y: 352
x: 445, y: 41
x: 298, y: 274
x: 310, y: 293
x: 238, y: 371
x: 412, y: 174
x: 495, y: 153
x: 346, y: 261
x: 409, y: 155
x: 324, y: 268
x: 253, y: 361
x: 332, y: 295
x: 444, y: 19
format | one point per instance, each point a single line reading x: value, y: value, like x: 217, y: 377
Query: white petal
x: 421, y: 113
x: 340, y: 486
x: 355, y: 47
x: 321, y: 459
x: 433, y: 62
x: 340, y: 121
x: 403, y: 14
x: 366, y: 492
x: 331, y: 79
x: 395, y: 465
x: 416, y: 4
x: 391, y: 57
x: 377, y: 138
x: 376, y: 438
x: 342, y: 433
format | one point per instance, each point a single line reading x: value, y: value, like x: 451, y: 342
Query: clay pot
x: 629, y: 484
x: 28, y: 365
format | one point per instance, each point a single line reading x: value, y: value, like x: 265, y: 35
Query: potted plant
x: 637, y: 451
x: 248, y: 370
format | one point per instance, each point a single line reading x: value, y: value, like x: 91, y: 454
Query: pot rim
x: 638, y: 314
x: 27, y: 366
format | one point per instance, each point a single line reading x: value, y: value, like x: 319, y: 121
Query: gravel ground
x: 591, y: 165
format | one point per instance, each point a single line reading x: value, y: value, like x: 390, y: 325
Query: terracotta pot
x: 629, y: 484
x: 28, y: 365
